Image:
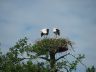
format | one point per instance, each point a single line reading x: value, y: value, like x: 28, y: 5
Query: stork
x: 44, y: 32
x: 56, y: 31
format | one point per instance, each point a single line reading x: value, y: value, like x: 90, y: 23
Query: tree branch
x: 62, y: 56
x: 79, y: 61
x: 45, y: 58
x: 24, y: 58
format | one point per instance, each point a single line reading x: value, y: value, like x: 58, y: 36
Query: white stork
x: 56, y: 31
x: 44, y: 32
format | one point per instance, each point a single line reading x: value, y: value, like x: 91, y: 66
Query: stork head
x: 56, y: 31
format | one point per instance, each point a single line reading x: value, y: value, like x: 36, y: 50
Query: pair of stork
x: 45, y: 32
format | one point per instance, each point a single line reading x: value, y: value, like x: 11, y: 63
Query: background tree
x: 15, y: 61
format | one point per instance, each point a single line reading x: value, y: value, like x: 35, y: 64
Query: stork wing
x: 48, y: 31
x: 58, y: 32
x: 41, y: 34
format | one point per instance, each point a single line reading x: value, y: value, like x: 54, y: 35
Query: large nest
x: 44, y: 46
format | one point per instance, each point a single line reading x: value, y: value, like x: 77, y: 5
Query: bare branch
x: 24, y: 58
x: 62, y: 56
x: 45, y: 58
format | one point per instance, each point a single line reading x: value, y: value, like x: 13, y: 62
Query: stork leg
x: 45, y: 36
x: 56, y: 36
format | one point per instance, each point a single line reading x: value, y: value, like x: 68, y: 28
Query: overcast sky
x: 75, y: 18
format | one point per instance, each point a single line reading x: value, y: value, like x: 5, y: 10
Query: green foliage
x: 12, y: 62
x: 21, y: 57
x: 91, y: 69
x: 70, y: 66
x: 21, y: 46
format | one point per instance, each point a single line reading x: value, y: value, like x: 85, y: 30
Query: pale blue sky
x: 75, y: 18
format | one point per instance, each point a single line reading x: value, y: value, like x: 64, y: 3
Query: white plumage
x: 44, y: 32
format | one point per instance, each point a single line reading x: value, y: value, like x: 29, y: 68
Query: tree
x: 50, y: 47
x: 13, y: 61
x: 21, y: 57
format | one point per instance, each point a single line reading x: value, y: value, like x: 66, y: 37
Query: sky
x: 76, y: 20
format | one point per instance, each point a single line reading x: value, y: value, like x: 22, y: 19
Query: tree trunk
x: 52, y: 62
